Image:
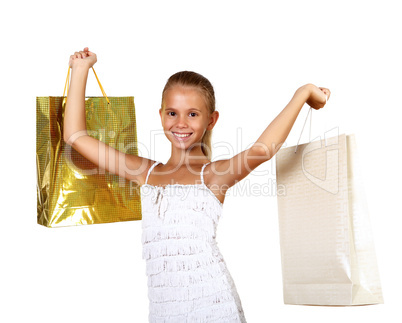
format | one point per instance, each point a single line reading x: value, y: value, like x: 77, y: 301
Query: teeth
x: 182, y: 135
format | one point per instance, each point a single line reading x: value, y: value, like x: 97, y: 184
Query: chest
x: 182, y: 175
x: 179, y: 205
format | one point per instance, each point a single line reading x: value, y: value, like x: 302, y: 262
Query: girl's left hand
x: 318, y: 96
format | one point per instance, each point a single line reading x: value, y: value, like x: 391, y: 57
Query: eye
x: 171, y: 113
x: 193, y: 114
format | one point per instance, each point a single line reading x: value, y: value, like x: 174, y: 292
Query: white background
x: 256, y: 54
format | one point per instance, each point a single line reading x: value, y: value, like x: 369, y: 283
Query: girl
x: 182, y: 200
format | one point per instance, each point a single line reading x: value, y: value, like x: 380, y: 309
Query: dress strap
x: 150, y: 170
x: 202, y: 173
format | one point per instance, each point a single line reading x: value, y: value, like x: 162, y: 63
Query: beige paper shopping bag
x: 327, y: 249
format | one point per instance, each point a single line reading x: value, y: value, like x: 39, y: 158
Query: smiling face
x: 185, y: 117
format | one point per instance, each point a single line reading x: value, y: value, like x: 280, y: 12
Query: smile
x: 182, y: 135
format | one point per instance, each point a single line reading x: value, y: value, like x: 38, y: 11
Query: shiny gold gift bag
x: 70, y: 189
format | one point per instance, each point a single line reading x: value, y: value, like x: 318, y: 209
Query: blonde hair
x: 199, y: 82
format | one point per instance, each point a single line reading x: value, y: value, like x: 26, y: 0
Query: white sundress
x: 188, y: 280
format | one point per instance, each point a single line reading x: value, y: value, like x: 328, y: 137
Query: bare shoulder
x: 214, y: 172
x: 214, y: 177
x: 138, y: 168
x: 225, y: 173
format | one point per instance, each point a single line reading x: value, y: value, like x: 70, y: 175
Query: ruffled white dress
x: 188, y: 280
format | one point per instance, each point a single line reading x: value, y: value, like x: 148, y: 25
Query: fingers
x: 85, y: 55
x: 326, y: 91
x: 80, y: 54
x: 89, y: 53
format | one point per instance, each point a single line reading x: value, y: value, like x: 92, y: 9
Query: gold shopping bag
x: 70, y: 189
x: 327, y: 249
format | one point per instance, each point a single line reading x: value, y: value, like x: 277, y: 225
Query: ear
x: 212, y: 120
x: 160, y: 114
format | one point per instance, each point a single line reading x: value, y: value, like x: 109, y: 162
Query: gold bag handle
x: 67, y: 85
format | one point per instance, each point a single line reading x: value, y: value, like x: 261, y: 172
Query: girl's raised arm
x: 227, y: 172
x: 75, y: 133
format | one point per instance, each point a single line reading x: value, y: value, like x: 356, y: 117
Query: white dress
x: 188, y: 280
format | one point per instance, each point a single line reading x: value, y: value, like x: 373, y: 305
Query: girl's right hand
x: 83, y: 58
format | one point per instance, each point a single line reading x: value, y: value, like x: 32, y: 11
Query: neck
x: 181, y: 157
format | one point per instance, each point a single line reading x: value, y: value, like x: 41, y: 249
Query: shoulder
x: 226, y: 173
x: 143, y: 169
x: 216, y: 168
x: 214, y: 173
x: 214, y: 178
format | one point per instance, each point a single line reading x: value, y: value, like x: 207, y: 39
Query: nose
x: 181, y: 122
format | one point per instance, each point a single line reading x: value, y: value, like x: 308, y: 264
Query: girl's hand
x: 318, y: 96
x: 84, y: 58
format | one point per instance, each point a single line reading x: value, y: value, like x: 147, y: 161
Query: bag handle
x: 67, y: 85
x: 309, y: 135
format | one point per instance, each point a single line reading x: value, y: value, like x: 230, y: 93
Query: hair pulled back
x: 201, y: 83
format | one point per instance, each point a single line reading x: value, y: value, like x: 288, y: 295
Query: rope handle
x: 309, y: 135
x: 67, y: 85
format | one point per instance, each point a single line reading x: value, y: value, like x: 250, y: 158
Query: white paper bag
x: 327, y: 249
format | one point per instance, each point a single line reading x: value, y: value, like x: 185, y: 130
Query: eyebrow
x: 189, y: 109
